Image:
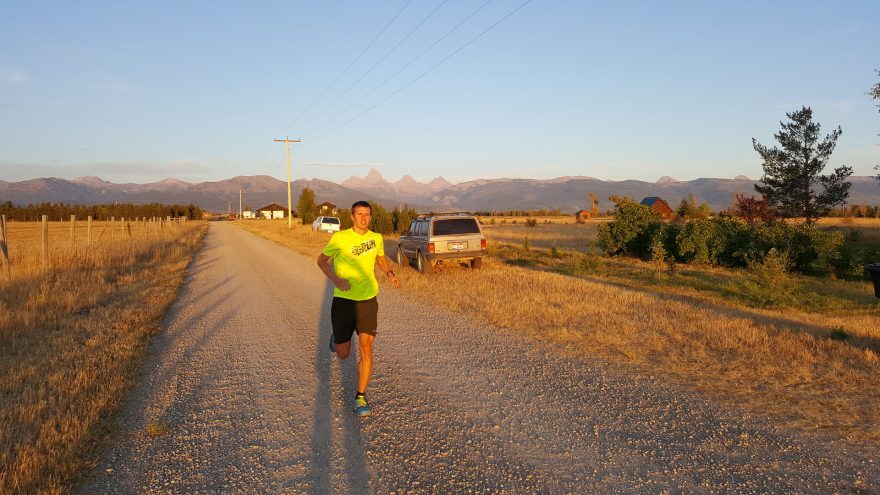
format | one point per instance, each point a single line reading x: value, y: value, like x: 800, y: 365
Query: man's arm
x: 386, y: 268
x: 325, y: 263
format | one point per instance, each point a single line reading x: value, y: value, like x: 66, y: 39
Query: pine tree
x: 875, y: 94
x: 792, y: 174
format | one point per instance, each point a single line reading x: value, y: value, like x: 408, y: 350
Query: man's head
x: 361, y: 213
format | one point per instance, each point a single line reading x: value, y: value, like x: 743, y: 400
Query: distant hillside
x: 566, y: 193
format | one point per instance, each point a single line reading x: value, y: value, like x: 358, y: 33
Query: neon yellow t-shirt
x: 354, y: 259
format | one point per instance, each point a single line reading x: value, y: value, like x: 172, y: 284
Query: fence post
x: 45, y: 237
x: 89, y: 230
x: 72, y: 229
x: 122, y: 225
x: 4, y: 250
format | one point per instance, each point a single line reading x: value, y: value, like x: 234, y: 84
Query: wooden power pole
x: 287, y: 142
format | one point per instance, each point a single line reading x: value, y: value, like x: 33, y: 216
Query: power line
x: 417, y: 57
x: 423, y: 74
x: 349, y: 65
x: 365, y: 74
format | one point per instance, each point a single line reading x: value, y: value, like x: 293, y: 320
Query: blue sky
x: 142, y: 91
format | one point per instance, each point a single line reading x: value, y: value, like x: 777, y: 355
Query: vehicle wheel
x: 476, y: 263
x: 423, y: 264
x: 402, y: 260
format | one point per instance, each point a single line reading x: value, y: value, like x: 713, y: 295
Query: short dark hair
x: 363, y: 204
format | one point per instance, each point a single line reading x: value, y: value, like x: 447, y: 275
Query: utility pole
x: 287, y: 142
x: 239, y: 204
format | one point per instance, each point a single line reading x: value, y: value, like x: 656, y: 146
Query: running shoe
x: 360, y: 406
x: 332, y: 344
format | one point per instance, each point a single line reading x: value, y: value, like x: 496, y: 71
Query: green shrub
x: 630, y: 232
x: 812, y: 249
x: 849, y: 262
x: 769, y: 283
x: 702, y: 241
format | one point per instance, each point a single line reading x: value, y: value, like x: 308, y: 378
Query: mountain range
x: 568, y: 194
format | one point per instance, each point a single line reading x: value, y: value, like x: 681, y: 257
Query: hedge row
x: 638, y: 231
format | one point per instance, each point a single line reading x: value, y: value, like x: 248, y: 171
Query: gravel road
x: 243, y: 396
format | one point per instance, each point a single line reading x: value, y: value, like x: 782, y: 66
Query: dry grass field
x: 558, y: 232
x: 72, y: 334
x: 811, y: 365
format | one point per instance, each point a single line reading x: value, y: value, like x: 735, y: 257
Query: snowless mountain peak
x: 374, y: 176
x: 666, y: 180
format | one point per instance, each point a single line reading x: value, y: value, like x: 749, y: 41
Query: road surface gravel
x: 241, y: 395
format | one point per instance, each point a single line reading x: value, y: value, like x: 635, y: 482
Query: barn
x: 657, y: 204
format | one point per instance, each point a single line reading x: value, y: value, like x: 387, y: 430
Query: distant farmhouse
x: 657, y: 204
x: 273, y: 210
x: 326, y: 208
x: 581, y: 216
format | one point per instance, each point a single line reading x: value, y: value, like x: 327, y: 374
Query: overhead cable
x: 423, y: 74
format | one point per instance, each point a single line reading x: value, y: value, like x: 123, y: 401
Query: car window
x: 412, y: 228
x: 453, y: 226
x: 423, y: 228
x: 332, y: 220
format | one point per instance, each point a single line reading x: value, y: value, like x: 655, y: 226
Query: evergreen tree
x: 792, y: 174
x: 381, y: 219
x: 306, y: 206
x: 875, y: 94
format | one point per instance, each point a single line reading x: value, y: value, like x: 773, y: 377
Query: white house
x: 273, y: 210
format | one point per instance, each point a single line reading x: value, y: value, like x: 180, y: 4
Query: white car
x: 326, y: 224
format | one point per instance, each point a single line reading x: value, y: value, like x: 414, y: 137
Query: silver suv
x: 439, y: 238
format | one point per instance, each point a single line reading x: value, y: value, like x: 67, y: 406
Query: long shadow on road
x: 325, y: 418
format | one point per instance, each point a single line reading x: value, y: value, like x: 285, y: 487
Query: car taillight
x: 431, y: 247
x: 482, y: 243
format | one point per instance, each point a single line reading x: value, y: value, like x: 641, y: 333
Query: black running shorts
x: 350, y: 316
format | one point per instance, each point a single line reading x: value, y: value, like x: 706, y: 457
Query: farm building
x: 248, y: 214
x: 581, y: 216
x: 273, y: 210
x: 327, y: 208
x: 657, y: 204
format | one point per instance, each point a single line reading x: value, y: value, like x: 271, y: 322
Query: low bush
x: 768, y: 283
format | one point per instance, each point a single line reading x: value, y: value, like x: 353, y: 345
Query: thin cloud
x: 12, y: 76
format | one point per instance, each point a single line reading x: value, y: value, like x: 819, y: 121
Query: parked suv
x: 442, y: 238
x: 326, y: 224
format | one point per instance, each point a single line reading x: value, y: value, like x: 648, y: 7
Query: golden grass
x: 544, y: 235
x: 686, y: 326
x: 72, y: 334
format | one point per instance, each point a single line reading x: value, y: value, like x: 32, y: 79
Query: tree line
x: 63, y: 211
x: 383, y: 221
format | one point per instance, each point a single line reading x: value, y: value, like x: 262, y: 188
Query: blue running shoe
x: 360, y: 406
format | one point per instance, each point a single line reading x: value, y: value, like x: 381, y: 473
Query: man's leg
x: 343, y: 349
x: 342, y: 317
x: 365, y: 365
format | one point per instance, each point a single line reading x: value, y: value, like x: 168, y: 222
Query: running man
x: 349, y: 260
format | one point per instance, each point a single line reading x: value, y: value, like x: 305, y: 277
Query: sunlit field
x: 547, y: 233
x: 810, y: 364
x: 73, y: 330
